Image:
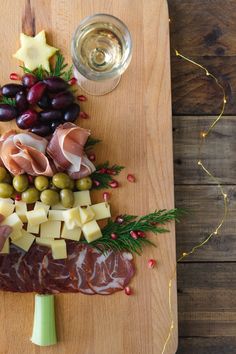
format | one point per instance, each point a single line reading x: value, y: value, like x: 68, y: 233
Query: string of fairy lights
x: 203, y: 139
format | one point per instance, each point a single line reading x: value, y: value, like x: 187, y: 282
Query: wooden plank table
x: 134, y: 122
x: 205, y: 31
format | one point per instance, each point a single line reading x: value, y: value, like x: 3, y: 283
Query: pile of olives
x: 50, y: 191
x: 40, y: 105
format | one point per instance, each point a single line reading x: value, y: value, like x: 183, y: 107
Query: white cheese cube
x: 86, y: 214
x: 44, y: 241
x: 91, y: 231
x: 56, y: 215
x: 72, y: 218
x: 34, y: 229
x: 16, y: 234
x: 25, y: 241
x: 101, y: 210
x: 59, y: 249
x: 36, y: 217
x: 39, y: 205
x: 21, y: 210
x: 6, y: 208
x: 58, y: 206
x: 8, y: 200
x: 14, y: 221
x: 50, y: 229
x: 6, y: 247
x: 74, y: 234
x: 82, y: 198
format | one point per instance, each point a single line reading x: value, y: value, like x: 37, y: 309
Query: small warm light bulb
x: 225, y: 101
x: 199, y: 163
x: 203, y: 134
x: 207, y: 73
x: 176, y: 53
x: 225, y: 195
x: 169, y: 20
x: 184, y: 254
x: 216, y: 232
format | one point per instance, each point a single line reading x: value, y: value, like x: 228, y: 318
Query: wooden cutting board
x: 134, y: 122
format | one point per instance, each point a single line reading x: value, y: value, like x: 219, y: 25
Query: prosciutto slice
x: 85, y: 270
x: 66, y: 148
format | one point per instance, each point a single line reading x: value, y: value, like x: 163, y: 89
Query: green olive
x: 67, y: 198
x: 20, y: 183
x: 49, y: 197
x: 7, y: 178
x: 72, y: 184
x: 84, y: 184
x: 31, y: 195
x: 41, y: 183
x: 3, y: 173
x: 6, y: 190
x: 61, y: 180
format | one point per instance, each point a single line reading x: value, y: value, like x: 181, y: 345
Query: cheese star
x: 34, y: 51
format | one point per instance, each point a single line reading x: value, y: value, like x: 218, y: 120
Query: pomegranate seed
x: 131, y: 178
x: 102, y: 171
x: 18, y: 197
x: 119, y: 219
x: 113, y: 184
x: 96, y: 183
x: 15, y: 76
x: 72, y: 81
x: 141, y: 234
x: 106, y: 196
x: 151, y: 263
x: 113, y: 236
x: 83, y: 115
x: 81, y: 98
x: 30, y: 179
x: 134, y: 235
x: 111, y: 172
x: 128, y: 290
x: 92, y: 157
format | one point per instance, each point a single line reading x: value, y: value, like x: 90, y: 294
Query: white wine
x: 100, y: 47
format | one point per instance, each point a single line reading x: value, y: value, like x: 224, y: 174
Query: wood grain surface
x: 134, y: 122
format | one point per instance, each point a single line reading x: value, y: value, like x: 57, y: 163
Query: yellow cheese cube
x: 101, y: 210
x: 39, y: 205
x: 59, y: 249
x: 50, y: 229
x: 58, y: 206
x: 34, y: 229
x: 14, y: 221
x: 16, y: 234
x: 74, y: 234
x: 82, y: 198
x: 72, y: 218
x: 56, y: 215
x: 21, y: 210
x: 91, y: 231
x: 44, y: 241
x: 6, y: 247
x: 36, y: 217
x: 6, y: 208
x: 86, y: 214
x: 25, y: 241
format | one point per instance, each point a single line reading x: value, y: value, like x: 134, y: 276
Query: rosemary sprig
x: 7, y: 100
x: 91, y: 142
x: 124, y: 241
x: 40, y: 73
x: 104, y: 175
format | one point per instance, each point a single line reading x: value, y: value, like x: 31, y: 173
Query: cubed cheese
x: 44, y: 241
x: 36, y: 216
x: 50, y: 229
x: 101, y: 210
x: 6, y: 208
x: 6, y: 247
x: 72, y: 218
x: 21, y: 210
x: 91, y: 231
x: 39, y: 205
x: 25, y: 241
x: 74, y: 234
x: 82, y: 198
x: 9, y: 200
x: 14, y: 221
x: 56, y: 215
x: 16, y: 234
x: 86, y: 214
x: 34, y: 229
x: 58, y: 206
x: 59, y: 249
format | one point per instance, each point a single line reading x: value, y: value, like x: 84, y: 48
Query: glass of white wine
x: 101, y: 52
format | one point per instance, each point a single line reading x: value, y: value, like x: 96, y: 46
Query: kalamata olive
x: 27, y: 120
x: 10, y: 90
x: 50, y: 115
x: 62, y: 100
x: 28, y: 80
x: 44, y: 102
x: 36, y: 92
x: 72, y: 113
x: 7, y: 112
x: 56, y: 84
x: 21, y: 102
x: 54, y: 125
x: 41, y: 129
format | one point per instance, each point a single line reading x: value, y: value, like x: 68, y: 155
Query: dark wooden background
x: 205, y: 30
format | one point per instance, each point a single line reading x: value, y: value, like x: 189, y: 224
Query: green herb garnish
x: 91, y: 142
x: 104, y: 175
x: 7, y: 100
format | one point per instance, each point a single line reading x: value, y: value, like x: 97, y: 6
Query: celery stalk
x: 44, y: 329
